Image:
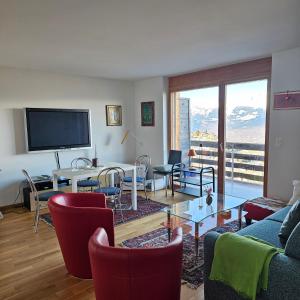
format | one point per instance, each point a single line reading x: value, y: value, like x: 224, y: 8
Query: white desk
x: 79, y: 174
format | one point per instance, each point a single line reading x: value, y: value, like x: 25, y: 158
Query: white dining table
x: 76, y: 174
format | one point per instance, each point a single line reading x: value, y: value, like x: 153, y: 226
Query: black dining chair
x: 174, y: 162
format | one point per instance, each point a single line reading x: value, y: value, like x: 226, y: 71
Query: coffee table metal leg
x: 240, y: 216
x: 197, y: 239
x: 169, y: 224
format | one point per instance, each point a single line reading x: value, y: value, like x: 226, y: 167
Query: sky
x: 253, y: 93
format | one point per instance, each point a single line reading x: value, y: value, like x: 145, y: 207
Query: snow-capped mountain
x: 245, y: 117
x: 244, y: 124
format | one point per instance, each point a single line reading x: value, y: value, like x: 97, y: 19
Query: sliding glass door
x: 227, y: 113
x: 245, y: 130
x: 226, y: 126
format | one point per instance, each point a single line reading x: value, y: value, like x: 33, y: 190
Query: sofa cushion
x: 292, y: 247
x: 280, y: 215
x: 290, y: 222
x: 266, y: 230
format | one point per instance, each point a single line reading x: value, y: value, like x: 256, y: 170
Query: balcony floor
x: 243, y: 189
x: 237, y: 188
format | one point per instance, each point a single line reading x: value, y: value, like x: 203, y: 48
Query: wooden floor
x: 32, y: 267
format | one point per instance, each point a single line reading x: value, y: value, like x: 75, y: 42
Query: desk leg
x: 55, y: 183
x: 133, y: 190
x: 74, y: 185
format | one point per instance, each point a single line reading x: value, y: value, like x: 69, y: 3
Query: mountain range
x: 243, y: 124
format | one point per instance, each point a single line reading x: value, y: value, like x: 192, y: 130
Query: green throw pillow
x: 290, y: 222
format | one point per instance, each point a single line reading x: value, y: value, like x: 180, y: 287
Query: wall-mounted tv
x: 56, y: 129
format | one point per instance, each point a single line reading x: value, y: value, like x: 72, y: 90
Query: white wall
x: 284, y: 155
x: 20, y: 88
x: 152, y: 140
x: 284, y: 159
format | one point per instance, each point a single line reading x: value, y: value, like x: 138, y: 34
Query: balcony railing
x: 244, y: 161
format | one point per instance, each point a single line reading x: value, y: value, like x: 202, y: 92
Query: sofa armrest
x: 209, y: 247
x: 284, y: 276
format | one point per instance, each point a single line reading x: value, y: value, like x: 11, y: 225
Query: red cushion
x: 256, y: 212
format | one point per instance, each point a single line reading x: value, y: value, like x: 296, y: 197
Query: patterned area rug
x: 145, y: 208
x: 192, y: 270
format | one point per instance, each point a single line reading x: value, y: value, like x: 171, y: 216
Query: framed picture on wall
x: 113, y: 115
x: 148, y: 113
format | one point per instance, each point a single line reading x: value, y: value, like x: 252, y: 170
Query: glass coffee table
x: 198, y: 213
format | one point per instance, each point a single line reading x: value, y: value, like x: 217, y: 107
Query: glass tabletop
x: 197, y: 210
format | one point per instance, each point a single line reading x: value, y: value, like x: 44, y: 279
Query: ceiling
x: 130, y: 39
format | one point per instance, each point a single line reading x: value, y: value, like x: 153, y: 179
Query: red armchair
x: 75, y: 217
x: 136, y: 274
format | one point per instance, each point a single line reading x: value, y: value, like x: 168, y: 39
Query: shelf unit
x: 191, y: 181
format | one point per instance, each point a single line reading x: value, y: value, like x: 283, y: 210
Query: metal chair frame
x: 87, y: 163
x: 36, y: 198
x: 142, y: 163
x: 106, y: 174
x: 85, y: 160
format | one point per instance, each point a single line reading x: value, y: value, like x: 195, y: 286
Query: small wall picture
x: 147, y: 113
x: 113, y: 115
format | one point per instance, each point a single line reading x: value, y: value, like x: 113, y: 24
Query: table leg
x: 240, y: 216
x: 133, y: 190
x: 55, y: 182
x: 74, y: 185
x: 172, y: 184
x: 169, y: 225
x: 197, y: 238
x: 214, y: 183
x: 112, y: 179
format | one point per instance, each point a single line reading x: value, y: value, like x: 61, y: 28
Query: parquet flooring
x: 32, y: 267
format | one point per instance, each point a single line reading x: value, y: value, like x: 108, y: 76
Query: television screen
x: 54, y: 129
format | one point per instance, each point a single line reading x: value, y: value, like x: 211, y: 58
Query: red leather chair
x: 136, y: 274
x: 75, y: 217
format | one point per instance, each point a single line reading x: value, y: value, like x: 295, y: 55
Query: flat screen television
x: 56, y: 129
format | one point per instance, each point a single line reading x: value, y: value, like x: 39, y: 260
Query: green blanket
x: 242, y: 263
